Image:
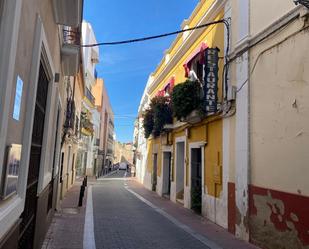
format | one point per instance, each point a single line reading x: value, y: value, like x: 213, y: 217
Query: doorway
x: 166, y: 188
x: 73, y: 169
x: 154, y: 172
x: 196, y: 179
x: 28, y: 217
x: 180, y: 170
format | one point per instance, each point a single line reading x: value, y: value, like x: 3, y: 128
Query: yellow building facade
x: 185, y: 161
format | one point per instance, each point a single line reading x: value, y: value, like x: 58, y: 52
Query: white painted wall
x: 280, y: 112
x: 264, y: 12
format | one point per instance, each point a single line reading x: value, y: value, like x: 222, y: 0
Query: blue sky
x: 125, y: 68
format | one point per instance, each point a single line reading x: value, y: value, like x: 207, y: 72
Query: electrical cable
x: 155, y: 36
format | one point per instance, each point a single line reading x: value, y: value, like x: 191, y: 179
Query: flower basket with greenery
x: 158, y: 115
x: 186, y: 97
x: 148, y: 122
x: 162, y: 113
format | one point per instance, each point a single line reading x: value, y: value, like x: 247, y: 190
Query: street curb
x: 89, y: 240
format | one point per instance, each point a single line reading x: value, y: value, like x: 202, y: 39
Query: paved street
x: 121, y: 220
x: 118, y: 174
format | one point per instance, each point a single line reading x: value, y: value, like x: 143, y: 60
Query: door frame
x: 197, y: 145
x: 167, y: 149
x: 181, y: 139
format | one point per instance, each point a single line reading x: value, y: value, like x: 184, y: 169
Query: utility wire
x: 155, y: 36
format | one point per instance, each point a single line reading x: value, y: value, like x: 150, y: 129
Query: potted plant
x: 187, y: 102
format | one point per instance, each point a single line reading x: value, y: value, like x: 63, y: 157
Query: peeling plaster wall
x: 280, y: 113
x: 279, y: 82
x: 278, y: 220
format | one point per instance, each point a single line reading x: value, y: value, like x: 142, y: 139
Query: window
x: 194, y: 65
x: 198, y: 68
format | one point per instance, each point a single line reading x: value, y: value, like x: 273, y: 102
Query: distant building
x: 124, y: 153
x: 90, y: 120
x: 105, y: 156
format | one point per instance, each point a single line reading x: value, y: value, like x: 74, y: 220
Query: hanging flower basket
x: 158, y: 115
x: 187, y: 101
x: 148, y: 122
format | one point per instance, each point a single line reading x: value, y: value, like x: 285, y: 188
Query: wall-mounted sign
x: 11, y: 172
x: 18, y: 98
x: 211, y: 80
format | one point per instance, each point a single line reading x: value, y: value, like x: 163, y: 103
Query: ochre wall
x: 214, y: 37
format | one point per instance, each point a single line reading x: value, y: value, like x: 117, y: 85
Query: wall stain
x: 278, y: 220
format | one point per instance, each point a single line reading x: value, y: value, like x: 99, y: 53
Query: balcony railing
x: 71, y: 36
x: 89, y: 96
x: 70, y: 50
x: 111, y: 123
x: 97, y: 142
x: 70, y: 114
x: 86, y: 125
x: 110, y: 137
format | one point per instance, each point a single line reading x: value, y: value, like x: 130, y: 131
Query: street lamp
x: 302, y: 2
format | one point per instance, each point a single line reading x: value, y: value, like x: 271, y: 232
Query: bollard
x: 85, y: 181
x: 81, y: 195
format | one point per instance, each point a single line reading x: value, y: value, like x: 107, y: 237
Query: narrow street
x: 121, y: 220
x: 154, y: 124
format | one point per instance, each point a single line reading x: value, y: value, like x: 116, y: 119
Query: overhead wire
x: 154, y: 36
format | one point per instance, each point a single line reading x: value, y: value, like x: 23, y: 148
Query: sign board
x: 11, y: 172
x: 18, y: 98
x: 211, y: 80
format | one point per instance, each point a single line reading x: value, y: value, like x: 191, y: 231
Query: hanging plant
x: 158, y: 115
x: 162, y: 113
x: 186, y: 97
x: 148, y: 122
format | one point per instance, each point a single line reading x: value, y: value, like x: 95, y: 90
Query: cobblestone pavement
x: 123, y: 221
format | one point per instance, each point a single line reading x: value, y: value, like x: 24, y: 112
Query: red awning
x: 168, y: 87
x: 198, y: 51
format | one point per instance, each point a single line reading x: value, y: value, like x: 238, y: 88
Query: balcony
x: 70, y: 115
x: 110, y: 137
x: 89, y: 96
x: 97, y: 142
x: 68, y: 12
x: 70, y: 50
x: 86, y: 125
